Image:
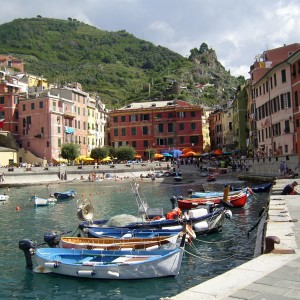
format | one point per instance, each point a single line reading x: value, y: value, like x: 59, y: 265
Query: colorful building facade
x: 159, y: 125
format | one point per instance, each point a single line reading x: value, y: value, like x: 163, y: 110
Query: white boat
x: 3, y: 198
x: 40, y: 201
x: 105, y: 264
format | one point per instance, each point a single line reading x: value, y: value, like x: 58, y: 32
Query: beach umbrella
x: 106, y: 159
x: 217, y: 152
x: 167, y: 154
x: 176, y: 152
x: 186, y: 150
x: 158, y: 156
x: 137, y: 156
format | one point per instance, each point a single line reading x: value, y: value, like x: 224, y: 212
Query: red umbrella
x: 217, y: 152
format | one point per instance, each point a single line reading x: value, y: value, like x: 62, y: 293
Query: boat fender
x: 190, y: 232
x: 86, y: 273
x: 114, y: 274
x: 228, y: 214
x: 201, y: 226
x: 151, y: 248
x: 51, y: 264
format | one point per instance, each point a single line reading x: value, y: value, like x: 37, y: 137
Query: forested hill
x: 119, y: 67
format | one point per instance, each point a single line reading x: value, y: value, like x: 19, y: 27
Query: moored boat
x: 3, y: 198
x: 65, y: 195
x: 104, y: 264
x: 203, y: 220
x: 235, y: 200
x: 40, y: 201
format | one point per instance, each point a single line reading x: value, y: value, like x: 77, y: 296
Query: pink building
x: 51, y: 119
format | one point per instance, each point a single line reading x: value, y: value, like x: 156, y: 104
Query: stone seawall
x: 39, y: 175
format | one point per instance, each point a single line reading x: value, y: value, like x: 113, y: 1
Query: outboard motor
x: 52, y: 239
x: 190, y: 192
x: 28, y: 248
x: 173, y: 200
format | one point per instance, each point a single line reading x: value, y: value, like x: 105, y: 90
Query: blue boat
x: 106, y: 264
x: 65, y: 195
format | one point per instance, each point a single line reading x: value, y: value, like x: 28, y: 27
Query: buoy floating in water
x: 17, y: 208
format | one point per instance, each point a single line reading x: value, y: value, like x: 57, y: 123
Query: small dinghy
x: 40, y: 201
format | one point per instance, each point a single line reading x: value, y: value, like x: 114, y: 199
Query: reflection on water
x: 212, y: 254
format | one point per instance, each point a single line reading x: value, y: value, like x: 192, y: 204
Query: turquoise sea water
x: 209, y: 256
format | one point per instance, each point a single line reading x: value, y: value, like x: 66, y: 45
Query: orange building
x: 160, y: 125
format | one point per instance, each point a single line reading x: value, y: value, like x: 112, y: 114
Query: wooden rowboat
x: 161, y: 242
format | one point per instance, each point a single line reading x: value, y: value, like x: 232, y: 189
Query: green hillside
x: 119, y: 67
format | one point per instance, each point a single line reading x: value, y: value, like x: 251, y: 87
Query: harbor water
x: 208, y: 257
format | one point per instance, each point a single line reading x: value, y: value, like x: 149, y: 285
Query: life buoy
x: 190, y: 231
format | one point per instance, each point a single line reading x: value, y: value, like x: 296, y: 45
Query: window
x: 160, y: 142
x: 296, y: 99
x: 158, y: 116
x: 16, y: 99
x: 275, y: 80
x: 181, y: 114
x: 145, y: 130
x: 283, y: 76
x: 160, y: 127
x: 1, y: 99
x: 59, y: 142
x: 58, y: 129
x: 181, y: 126
x: 193, y: 114
x: 170, y: 127
x: 194, y: 139
x: 133, y: 118
x: 42, y: 130
x: 32, y: 106
x: 133, y: 130
x: 170, y: 141
x: 116, y: 133
x: 287, y: 126
x: 181, y: 140
x: 170, y: 115
x: 146, y: 144
x: 123, y: 118
x: 193, y: 126
x: 115, y: 119
x: 41, y: 104
x: 123, y: 131
x: 134, y: 144
x: 145, y: 117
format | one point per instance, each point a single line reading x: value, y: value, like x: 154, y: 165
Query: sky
x: 237, y: 30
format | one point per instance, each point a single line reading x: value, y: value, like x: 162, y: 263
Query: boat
x: 40, y: 201
x: 104, y: 264
x: 3, y: 198
x: 211, y: 178
x: 160, y: 242
x: 202, y: 221
x: 65, y: 195
x: 212, y: 194
x: 262, y: 188
x: 236, y: 200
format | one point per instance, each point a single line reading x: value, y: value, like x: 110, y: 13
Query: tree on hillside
x: 70, y: 151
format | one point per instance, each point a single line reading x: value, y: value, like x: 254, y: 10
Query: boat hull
x: 110, y: 264
x: 203, y: 222
x: 238, y: 200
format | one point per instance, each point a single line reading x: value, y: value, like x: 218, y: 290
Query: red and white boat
x: 235, y: 200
